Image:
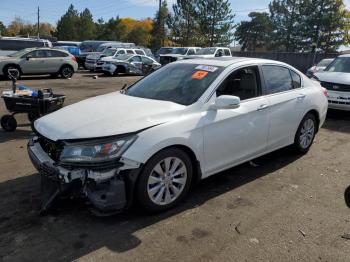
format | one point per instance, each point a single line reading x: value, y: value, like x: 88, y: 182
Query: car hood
x: 5, y: 58
x: 106, y: 115
x: 334, y: 77
x: 94, y: 56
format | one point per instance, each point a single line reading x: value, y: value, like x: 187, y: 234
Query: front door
x: 34, y: 62
x: 232, y: 136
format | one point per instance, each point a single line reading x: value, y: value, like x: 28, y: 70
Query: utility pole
x: 160, y: 22
x: 38, y: 36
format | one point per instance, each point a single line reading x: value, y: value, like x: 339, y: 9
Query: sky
x: 52, y: 10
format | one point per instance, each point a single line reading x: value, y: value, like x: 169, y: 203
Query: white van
x: 10, y: 45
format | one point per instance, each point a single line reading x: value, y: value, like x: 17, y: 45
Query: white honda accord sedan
x: 187, y: 121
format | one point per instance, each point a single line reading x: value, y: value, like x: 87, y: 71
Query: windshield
x: 340, y: 64
x: 101, y: 48
x: 19, y: 53
x: 164, y: 51
x: 324, y: 62
x: 179, y: 51
x: 179, y: 83
x: 206, y: 51
x: 109, y: 52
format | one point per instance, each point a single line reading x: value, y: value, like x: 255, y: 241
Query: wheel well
x: 15, y: 65
x: 121, y: 69
x: 317, y: 116
x: 65, y: 65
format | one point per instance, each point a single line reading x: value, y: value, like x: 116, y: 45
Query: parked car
x: 94, y: 63
x: 322, y: 65
x: 129, y: 64
x: 178, y: 53
x: 186, y: 121
x: 213, y: 52
x: 39, y: 61
x: 163, y: 51
x: 10, y: 45
x: 336, y: 79
x: 91, y: 46
x: 74, y: 50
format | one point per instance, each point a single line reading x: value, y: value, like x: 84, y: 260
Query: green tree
x: 215, y: 21
x: 323, y: 25
x: 256, y: 33
x: 183, y: 23
x: 159, y: 30
x: 67, y: 26
x: 112, y: 30
x: 286, y: 16
x: 3, y: 31
x: 86, y: 26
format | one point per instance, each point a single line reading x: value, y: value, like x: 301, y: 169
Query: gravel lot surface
x: 288, y: 208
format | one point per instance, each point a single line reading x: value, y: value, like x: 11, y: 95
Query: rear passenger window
x: 227, y: 52
x: 121, y: 52
x: 277, y: 79
x: 129, y: 52
x: 296, y: 79
x: 54, y: 53
x: 139, y: 52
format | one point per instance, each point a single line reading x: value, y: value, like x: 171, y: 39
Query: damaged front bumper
x: 109, y: 190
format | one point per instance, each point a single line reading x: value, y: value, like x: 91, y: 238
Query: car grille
x: 52, y: 148
x: 166, y: 59
x: 336, y: 87
x: 92, y: 61
x: 338, y: 102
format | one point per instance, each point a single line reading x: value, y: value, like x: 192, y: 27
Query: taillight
x: 73, y: 58
x: 325, y: 92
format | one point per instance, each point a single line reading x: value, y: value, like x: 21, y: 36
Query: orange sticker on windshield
x: 199, y: 75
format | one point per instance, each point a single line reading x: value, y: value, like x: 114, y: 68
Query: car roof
x: 227, y: 61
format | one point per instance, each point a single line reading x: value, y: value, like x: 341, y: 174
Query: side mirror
x: 226, y: 102
x: 29, y: 57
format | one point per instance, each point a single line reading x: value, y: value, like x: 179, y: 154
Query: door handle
x: 263, y: 107
x: 301, y: 96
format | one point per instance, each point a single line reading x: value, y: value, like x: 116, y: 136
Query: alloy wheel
x: 167, y: 181
x: 307, y: 133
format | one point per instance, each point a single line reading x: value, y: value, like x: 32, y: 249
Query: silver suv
x: 38, y: 61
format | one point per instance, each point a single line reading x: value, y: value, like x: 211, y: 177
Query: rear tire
x: 305, y: 134
x: 15, y: 71
x: 66, y: 72
x: 8, y: 123
x: 165, y: 180
x: 347, y: 196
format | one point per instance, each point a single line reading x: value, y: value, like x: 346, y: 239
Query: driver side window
x: 244, y: 83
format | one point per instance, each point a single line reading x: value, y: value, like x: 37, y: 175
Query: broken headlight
x: 96, y: 151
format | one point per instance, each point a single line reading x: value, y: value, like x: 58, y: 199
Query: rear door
x: 232, y: 136
x: 54, y: 61
x: 286, y: 99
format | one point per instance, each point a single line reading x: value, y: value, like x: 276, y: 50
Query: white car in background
x: 336, y: 79
x: 322, y: 65
x: 210, y: 52
x: 93, y: 62
x: 178, y: 53
x: 184, y: 122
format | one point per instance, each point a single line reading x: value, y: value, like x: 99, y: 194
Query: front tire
x: 347, y: 196
x: 12, y: 70
x: 164, y: 180
x: 305, y: 134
